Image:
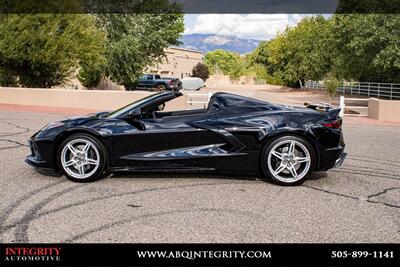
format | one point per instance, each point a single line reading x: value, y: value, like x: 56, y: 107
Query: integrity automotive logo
x: 32, y: 254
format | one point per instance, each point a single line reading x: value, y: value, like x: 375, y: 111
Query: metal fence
x: 260, y: 81
x: 370, y: 89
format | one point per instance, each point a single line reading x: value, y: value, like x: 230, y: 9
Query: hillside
x: 210, y: 42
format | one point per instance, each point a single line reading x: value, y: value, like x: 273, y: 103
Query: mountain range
x: 211, y: 42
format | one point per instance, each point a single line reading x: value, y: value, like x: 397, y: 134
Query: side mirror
x: 133, y: 118
x: 134, y: 113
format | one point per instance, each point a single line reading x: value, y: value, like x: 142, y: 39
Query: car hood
x: 93, y: 122
x: 88, y: 120
x: 90, y: 116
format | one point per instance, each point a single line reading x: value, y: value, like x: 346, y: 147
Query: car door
x: 172, y: 142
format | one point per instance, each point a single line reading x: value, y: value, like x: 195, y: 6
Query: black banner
x: 201, y: 6
x: 199, y: 254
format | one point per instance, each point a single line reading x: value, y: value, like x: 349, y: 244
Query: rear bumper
x: 168, y: 88
x: 174, y: 88
x: 331, y: 158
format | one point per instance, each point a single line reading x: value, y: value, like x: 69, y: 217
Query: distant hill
x: 211, y: 42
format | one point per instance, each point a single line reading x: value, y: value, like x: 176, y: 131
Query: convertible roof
x: 227, y: 100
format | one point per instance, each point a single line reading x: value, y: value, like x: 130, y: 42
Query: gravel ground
x: 358, y: 202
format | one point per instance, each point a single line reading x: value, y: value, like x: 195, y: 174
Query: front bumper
x: 41, y: 167
x: 42, y: 155
x: 34, y: 162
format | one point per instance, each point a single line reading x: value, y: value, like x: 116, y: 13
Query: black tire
x: 161, y: 88
x: 286, y: 182
x: 102, y: 152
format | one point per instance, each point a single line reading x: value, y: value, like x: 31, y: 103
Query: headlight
x: 52, y: 125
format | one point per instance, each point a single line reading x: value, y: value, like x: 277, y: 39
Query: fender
x: 307, y: 134
x: 63, y: 135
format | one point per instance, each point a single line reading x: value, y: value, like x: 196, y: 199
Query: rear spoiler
x: 332, y: 112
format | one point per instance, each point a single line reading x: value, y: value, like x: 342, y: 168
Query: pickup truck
x: 154, y: 82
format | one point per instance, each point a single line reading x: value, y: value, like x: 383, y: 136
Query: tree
x: 361, y: 47
x: 43, y: 50
x: 137, y: 41
x: 257, y: 65
x: 368, y: 7
x: 368, y: 47
x: 301, y: 52
x: 201, y: 71
x: 261, y: 56
x: 227, y: 62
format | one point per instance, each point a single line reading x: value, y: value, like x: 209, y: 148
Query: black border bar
x: 201, y: 6
x: 212, y: 254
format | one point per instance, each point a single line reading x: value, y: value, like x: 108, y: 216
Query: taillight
x: 336, y: 124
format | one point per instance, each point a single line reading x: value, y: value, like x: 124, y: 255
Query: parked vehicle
x: 234, y: 135
x: 154, y: 82
x: 192, y: 83
x: 178, y: 82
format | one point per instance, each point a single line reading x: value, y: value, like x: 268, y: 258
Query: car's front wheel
x: 288, y: 160
x: 82, y: 158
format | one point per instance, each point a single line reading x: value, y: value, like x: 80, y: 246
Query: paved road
x: 359, y: 202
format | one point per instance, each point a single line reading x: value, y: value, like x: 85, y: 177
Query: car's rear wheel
x: 288, y: 160
x: 82, y: 158
x: 161, y: 88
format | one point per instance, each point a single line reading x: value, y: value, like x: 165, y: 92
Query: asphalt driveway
x: 358, y: 202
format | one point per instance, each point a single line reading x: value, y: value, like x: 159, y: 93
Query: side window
x: 157, y: 76
x: 149, y: 77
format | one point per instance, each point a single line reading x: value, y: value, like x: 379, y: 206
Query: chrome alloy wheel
x: 289, y: 161
x: 80, y: 158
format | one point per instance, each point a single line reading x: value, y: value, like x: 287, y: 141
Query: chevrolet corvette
x: 234, y: 135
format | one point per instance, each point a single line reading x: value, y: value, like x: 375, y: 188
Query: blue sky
x: 248, y: 26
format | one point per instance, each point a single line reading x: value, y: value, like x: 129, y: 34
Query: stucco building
x: 179, y: 62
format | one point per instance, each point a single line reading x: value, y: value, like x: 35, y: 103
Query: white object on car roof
x: 192, y: 83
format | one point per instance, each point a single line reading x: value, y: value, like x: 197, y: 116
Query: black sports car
x: 234, y: 135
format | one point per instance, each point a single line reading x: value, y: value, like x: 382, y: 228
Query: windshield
x: 131, y: 106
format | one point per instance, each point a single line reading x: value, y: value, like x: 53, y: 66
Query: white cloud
x: 256, y: 26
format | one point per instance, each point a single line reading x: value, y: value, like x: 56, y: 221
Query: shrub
x: 7, y: 78
x: 90, y: 76
x: 331, y: 86
x: 201, y: 71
